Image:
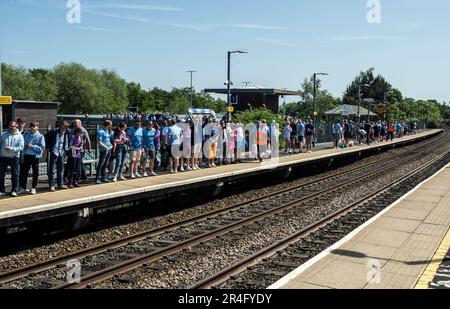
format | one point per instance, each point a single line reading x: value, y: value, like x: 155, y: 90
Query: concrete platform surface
x: 401, y: 248
x: 76, y: 199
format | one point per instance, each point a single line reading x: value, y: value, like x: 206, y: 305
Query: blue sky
x: 156, y: 42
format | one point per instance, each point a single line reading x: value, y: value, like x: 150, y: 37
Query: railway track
x: 147, y: 247
x: 349, y: 216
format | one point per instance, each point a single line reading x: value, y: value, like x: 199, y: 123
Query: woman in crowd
x: 75, y: 145
x: 120, y: 151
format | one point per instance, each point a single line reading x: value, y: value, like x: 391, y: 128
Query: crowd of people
x: 162, y: 144
x: 143, y: 150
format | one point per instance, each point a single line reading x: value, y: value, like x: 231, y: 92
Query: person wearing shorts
x: 300, y: 135
x: 149, y: 135
x: 135, y: 135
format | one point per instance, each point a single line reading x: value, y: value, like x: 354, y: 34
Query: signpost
x: 4, y: 100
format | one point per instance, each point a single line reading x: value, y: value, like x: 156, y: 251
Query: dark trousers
x: 14, y: 164
x: 59, y: 162
x: 103, y: 161
x: 33, y: 163
x: 121, y: 153
x: 74, y: 170
x: 390, y: 136
x: 81, y: 171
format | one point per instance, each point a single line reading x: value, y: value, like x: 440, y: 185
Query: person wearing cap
x: 11, y: 145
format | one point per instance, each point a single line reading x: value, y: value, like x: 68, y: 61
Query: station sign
x: 5, y: 100
x: 316, y: 114
x: 230, y: 109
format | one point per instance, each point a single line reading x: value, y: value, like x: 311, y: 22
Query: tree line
x: 385, y: 100
x: 89, y: 91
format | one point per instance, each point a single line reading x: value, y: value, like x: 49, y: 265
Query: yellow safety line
x: 432, y: 268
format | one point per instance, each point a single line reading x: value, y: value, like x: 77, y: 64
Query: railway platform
x: 404, y: 247
x: 85, y: 201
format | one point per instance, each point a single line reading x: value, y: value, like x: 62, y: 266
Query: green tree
x: 17, y: 82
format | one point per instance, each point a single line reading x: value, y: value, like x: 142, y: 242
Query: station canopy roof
x: 253, y: 90
x: 349, y: 110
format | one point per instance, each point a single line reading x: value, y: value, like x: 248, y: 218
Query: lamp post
x: 315, y: 100
x: 192, y: 88
x: 359, y: 103
x: 228, y: 82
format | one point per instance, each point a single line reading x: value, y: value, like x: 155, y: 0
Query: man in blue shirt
x: 11, y: 144
x: 105, y: 147
x: 135, y: 134
x: 149, y: 134
x: 301, y: 135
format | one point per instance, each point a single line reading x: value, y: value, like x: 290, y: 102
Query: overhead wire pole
x: 228, y: 82
x: 192, y: 88
x: 315, y: 98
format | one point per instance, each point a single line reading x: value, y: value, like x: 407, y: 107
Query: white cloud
x: 202, y: 28
x: 363, y: 38
x: 126, y: 17
x: 98, y: 29
x: 275, y: 42
x: 141, y: 7
x: 250, y: 26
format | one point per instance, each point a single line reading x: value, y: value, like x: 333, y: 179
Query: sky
x: 154, y: 42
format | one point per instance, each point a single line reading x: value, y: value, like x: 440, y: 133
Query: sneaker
x: 63, y: 188
x: 52, y: 189
x: 138, y: 175
x: 154, y: 174
x: 145, y: 174
x: 76, y: 185
x: 133, y: 176
x: 122, y: 178
x: 106, y: 180
x: 181, y: 169
x: 2, y: 194
x: 172, y: 171
x: 13, y: 194
x: 115, y: 179
x: 98, y: 181
x: 33, y: 191
x: 22, y: 191
x: 189, y: 168
x: 70, y: 186
x: 213, y: 165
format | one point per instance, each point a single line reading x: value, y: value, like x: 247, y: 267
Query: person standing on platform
x: 157, y: 144
x: 135, y: 135
x: 21, y: 125
x: 294, y: 135
x: 149, y: 134
x: 32, y: 153
x: 105, y: 147
x: 87, y: 148
x: 175, y: 153
x: 121, y: 150
x: 262, y: 139
x: 75, y: 145
x: 287, y: 137
x: 57, y: 143
x: 337, y: 131
x: 309, y: 133
x: 390, y: 131
x: 301, y: 135
x: 11, y: 145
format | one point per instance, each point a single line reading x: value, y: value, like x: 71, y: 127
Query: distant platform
x: 410, y: 241
x: 83, y: 201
